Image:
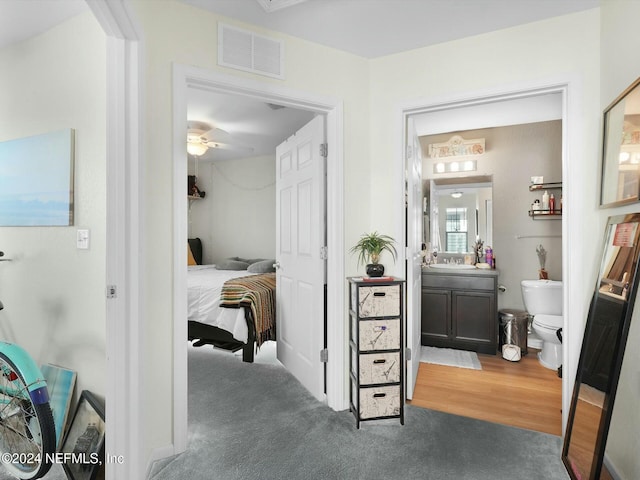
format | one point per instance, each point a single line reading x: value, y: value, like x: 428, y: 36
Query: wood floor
x: 522, y: 394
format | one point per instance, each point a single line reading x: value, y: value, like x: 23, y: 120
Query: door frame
x: 124, y: 180
x: 569, y: 89
x: 185, y: 77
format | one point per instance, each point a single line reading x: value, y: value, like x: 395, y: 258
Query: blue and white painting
x: 36, y: 180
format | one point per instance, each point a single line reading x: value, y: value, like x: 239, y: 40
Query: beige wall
x: 177, y: 33
x: 54, y: 294
x: 559, y: 50
x: 513, y: 155
x: 620, y: 67
x: 371, y: 91
x: 237, y: 217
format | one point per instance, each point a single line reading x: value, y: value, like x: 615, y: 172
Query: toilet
x: 543, y: 301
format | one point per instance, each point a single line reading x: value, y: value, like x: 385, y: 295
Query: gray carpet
x: 255, y: 421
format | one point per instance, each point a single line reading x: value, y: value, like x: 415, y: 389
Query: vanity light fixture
x: 455, y: 166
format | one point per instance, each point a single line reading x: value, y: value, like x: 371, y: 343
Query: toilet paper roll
x: 511, y: 352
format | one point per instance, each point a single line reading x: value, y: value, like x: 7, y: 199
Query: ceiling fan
x: 201, y: 137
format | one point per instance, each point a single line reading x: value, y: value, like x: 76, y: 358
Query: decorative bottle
x: 545, y: 200
x: 552, y: 203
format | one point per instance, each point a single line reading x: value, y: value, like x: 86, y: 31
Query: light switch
x: 82, y: 239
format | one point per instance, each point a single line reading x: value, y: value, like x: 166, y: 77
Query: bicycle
x: 27, y: 431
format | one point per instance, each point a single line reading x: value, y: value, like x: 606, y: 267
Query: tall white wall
x: 54, y: 294
x: 620, y: 67
x: 237, y: 217
x: 174, y: 32
x: 564, y: 49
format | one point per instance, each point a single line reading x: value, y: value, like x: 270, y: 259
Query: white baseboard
x: 158, y: 454
x: 612, y: 468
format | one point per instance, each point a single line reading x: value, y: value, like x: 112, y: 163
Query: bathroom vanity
x: 459, y: 308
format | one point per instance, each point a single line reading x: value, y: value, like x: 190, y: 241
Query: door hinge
x: 324, y: 253
x: 324, y: 355
x: 409, y: 152
x: 407, y: 354
x: 324, y: 149
x: 112, y: 291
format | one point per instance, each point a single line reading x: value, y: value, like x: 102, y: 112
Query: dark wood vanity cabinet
x: 459, y: 311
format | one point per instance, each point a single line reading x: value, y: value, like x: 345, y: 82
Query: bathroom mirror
x: 621, y: 149
x: 603, y: 346
x: 460, y: 211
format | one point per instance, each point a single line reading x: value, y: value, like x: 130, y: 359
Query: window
x: 456, y: 230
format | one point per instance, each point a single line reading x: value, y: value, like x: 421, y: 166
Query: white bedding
x: 204, y: 284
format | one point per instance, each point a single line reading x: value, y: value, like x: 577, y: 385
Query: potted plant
x: 369, y: 248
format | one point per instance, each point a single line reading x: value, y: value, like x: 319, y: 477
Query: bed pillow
x: 231, y: 264
x: 190, y: 259
x: 264, y: 266
x: 240, y: 259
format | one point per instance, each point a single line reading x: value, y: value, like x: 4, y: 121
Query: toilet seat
x: 549, y: 321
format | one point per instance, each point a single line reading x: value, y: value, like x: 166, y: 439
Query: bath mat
x: 450, y: 357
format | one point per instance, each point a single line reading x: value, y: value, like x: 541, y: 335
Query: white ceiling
x: 22, y: 19
x: 369, y: 28
x: 249, y: 122
x: 373, y: 28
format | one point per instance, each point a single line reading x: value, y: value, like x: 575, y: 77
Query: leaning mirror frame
x: 620, y: 169
x: 596, y: 383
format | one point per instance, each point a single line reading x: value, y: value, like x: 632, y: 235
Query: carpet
x: 450, y: 357
x: 255, y: 421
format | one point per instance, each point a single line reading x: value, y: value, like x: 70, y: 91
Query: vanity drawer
x: 459, y: 282
x: 379, y: 401
x: 379, y: 368
x: 383, y: 334
x: 377, y: 301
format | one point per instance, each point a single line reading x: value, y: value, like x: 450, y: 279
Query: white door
x: 300, y: 238
x: 414, y: 259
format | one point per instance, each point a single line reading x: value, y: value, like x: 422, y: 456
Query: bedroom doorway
x: 186, y: 78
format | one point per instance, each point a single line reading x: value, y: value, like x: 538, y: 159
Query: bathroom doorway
x: 522, y: 109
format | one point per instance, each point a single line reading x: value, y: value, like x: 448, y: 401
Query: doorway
x: 190, y: 77
x: 445, y: 117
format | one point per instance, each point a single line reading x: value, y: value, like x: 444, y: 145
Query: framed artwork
x: 85, y: 439
x: 60, y: 384
x: 36, y: 184
x: 621, y: 149
x: 603, y: 349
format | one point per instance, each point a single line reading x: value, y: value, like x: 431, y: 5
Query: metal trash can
x: 514, y: 328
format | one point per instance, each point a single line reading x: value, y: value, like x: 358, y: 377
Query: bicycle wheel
x: 27, y: 431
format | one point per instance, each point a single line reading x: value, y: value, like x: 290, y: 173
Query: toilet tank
x: 542, y: 296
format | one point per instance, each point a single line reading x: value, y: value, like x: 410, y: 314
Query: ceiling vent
x: 273, y: 5
x: 247, y: 51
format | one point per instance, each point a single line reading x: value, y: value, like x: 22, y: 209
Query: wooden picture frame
x: 84, y: 441
x: 620, y: 180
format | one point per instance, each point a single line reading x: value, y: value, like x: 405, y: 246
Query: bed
x: 229, y: 309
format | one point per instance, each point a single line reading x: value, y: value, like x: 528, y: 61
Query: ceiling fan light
x: 196, y: 148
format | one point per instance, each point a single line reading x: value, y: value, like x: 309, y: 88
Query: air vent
x: 247, y: 51
x: 273, y: 5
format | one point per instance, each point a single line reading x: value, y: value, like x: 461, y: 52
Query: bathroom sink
x: 452, y: 266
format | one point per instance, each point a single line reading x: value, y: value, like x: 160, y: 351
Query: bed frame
x: 201, y: 334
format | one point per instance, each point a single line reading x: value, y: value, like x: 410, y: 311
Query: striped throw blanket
x: 258, y: 292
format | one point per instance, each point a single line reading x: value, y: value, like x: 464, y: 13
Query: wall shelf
x: 544, y: 186
x: 546, y: 214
